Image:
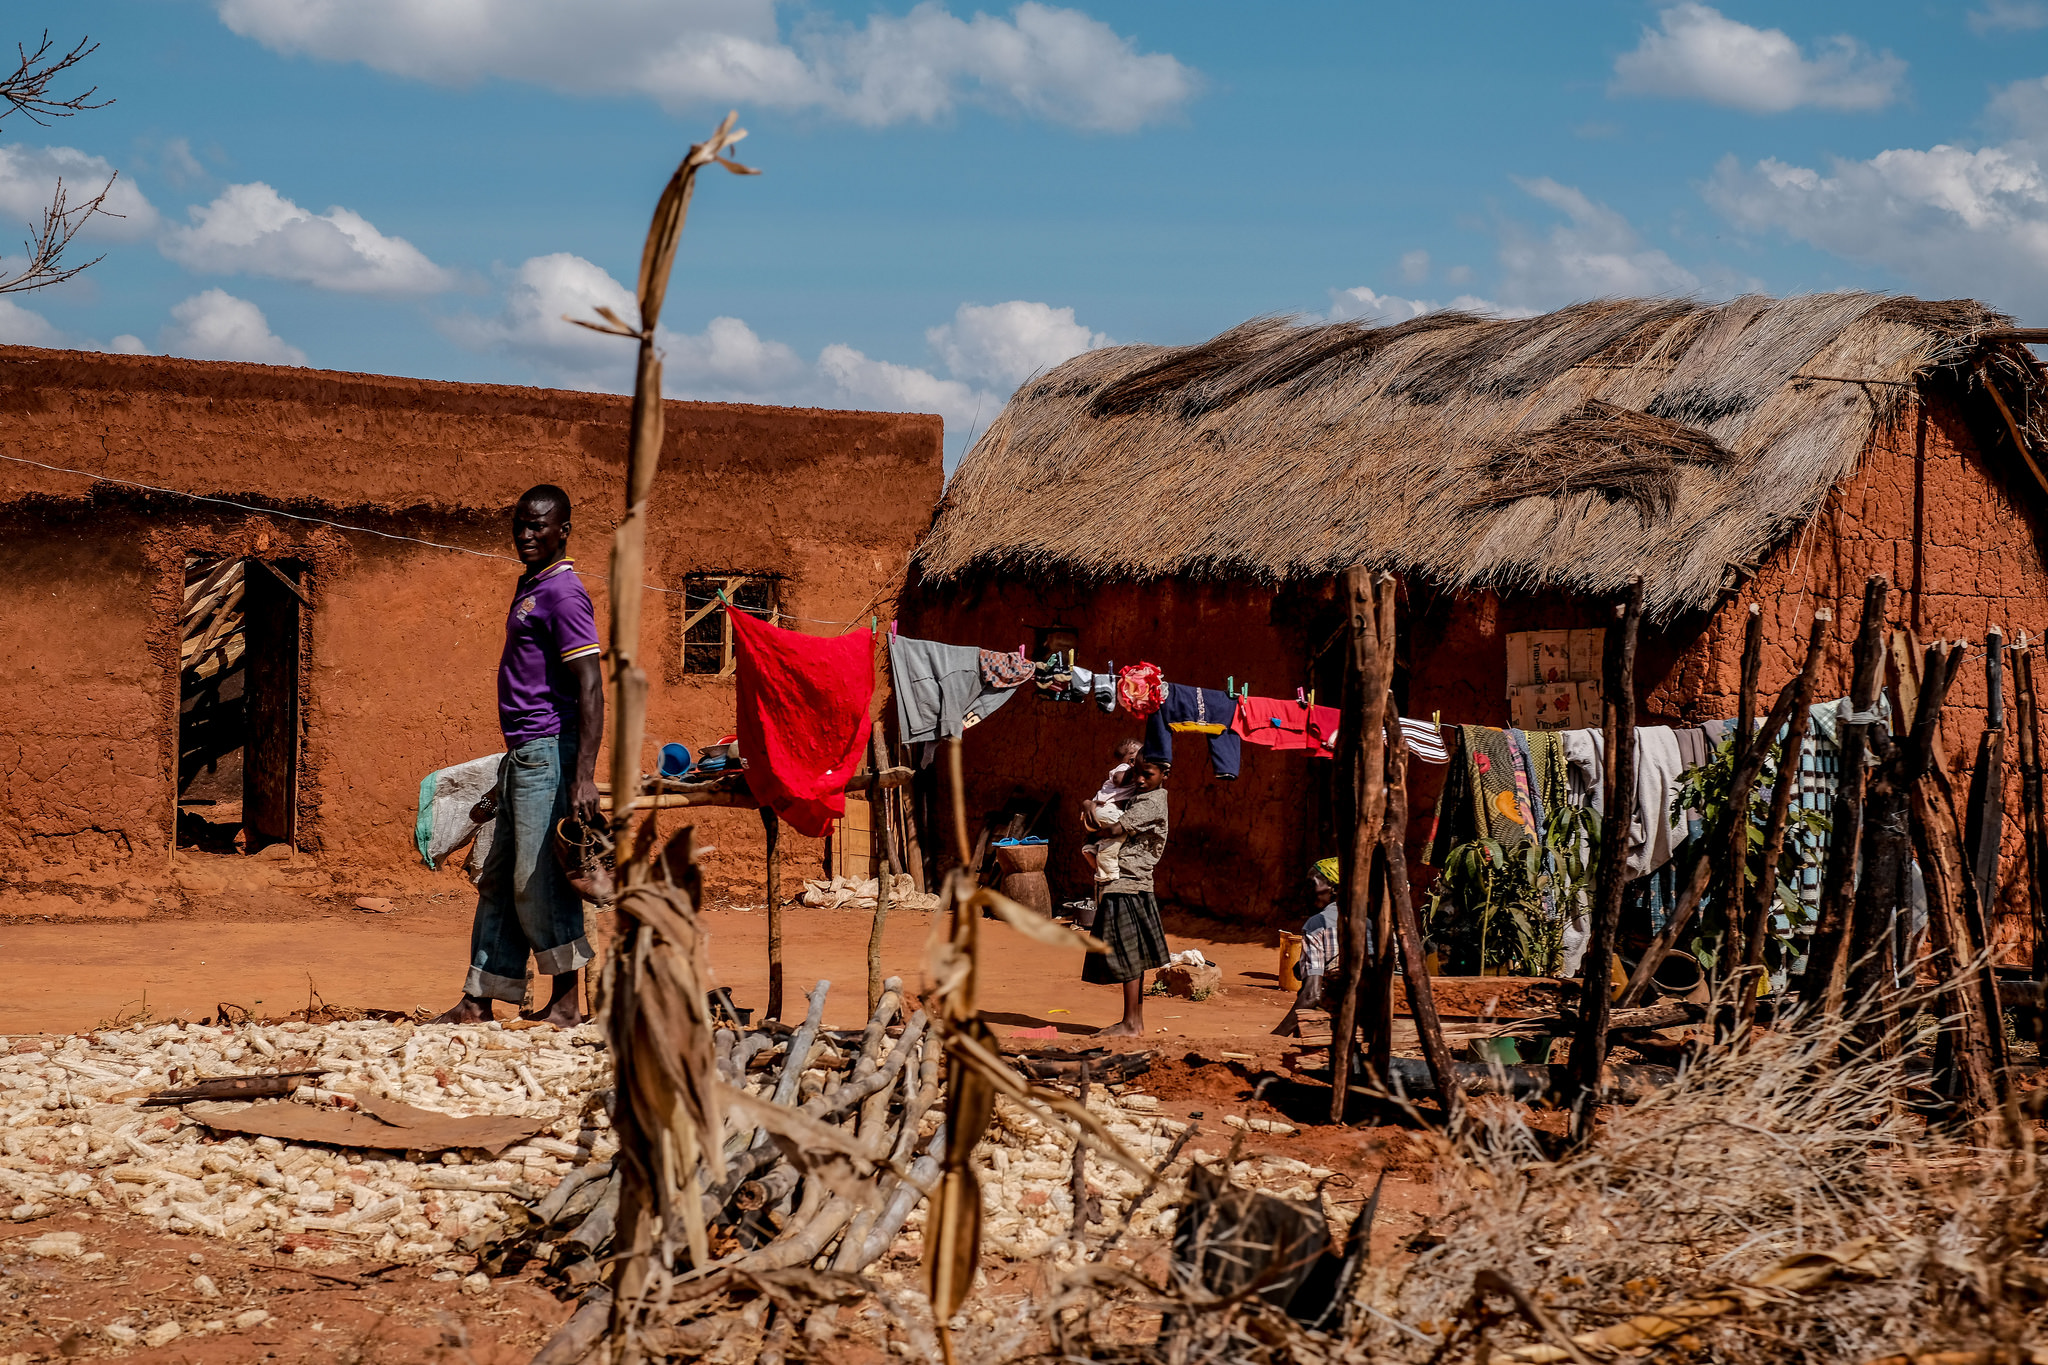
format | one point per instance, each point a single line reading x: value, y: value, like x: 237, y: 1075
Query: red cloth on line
x: 803, y: 717
x: 1287, y: 725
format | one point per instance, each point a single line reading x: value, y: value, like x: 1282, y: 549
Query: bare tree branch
x: 61, y: 222
x: 27, y: 89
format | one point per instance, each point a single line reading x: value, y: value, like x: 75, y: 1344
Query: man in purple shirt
x: 551, y: 709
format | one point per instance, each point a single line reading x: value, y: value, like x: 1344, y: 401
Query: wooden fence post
x: 1407, y: 933
x: 1618, y: 719
x: 1827, y: 955
x: 771, y: 829
x: 1362, y: 795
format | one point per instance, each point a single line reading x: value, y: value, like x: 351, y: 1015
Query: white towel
x: 1654, y: 831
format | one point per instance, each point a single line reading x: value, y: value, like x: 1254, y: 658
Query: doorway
x: 238, y: 704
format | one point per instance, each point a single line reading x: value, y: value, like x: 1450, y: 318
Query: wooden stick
x: 1697, y: 880
x: 1734, y: 876
x: 1984, y: 827
x: 1827, y: 953
x: 885, y: 877
x: 771, y: 830
x: 1765, y: 893
x: 1077, y: 1182
x: 731, y: 790
x: 1361, y: 806
x: 2033, y: 822
x: 1407, y: 933
x: 1589, y: 1047
x: 1975, y: 1035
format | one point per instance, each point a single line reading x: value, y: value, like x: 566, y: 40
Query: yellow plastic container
x: 1290, y: 961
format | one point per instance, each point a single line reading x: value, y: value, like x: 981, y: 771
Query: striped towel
x: 1425, y: 741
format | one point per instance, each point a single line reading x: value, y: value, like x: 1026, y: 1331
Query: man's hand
x: 485, y: 810
x: 584, y: 800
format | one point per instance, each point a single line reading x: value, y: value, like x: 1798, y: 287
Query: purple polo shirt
x: 551, y: 622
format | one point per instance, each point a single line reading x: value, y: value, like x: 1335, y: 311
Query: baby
x: 1106, y: 807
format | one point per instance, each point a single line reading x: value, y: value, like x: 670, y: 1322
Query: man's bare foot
x: 561, y: 1013
x: 468, y: 1010
x: 564, y: 1008
x: 1123, y: 1028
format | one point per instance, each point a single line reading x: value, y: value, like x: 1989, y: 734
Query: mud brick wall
x: 402, y: 640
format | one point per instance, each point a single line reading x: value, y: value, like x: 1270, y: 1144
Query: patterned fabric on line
x: 1006, y: 670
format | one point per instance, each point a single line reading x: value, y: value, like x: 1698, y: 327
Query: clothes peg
x: 1230, y: 686
x: 892, y: 628
x: 1311, y: 699
x: 1300, y: 698
x: 874, y: 623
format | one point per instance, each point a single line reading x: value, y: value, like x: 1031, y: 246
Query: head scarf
x: 1327, y: 870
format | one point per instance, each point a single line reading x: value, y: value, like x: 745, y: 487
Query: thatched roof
x: 1672, y: 439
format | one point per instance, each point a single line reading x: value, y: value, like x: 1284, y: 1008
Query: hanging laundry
x: 1287, y: 725
x: 1478, y: 800
x: 1547, y: 772
x: 803, y: 717
x: 1525, y: 779
x: 1655, y: 830
x: 1196, y: 711
x: 1140, y: 689
x: 1585, y: 768
x: 1099, y: 688
x: 1005, y: 671
x: 939, y: 690
x: 1425, y: 741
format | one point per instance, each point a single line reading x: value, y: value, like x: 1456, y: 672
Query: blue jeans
x: 524, y: 902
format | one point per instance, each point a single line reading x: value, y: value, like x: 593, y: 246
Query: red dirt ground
x: 271, y: 951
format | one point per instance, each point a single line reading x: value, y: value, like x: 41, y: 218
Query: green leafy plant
x: 1707, y: 789
x: 1498, y: 905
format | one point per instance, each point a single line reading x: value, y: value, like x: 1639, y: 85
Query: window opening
x: 238, y: 705
x: 707, y: 628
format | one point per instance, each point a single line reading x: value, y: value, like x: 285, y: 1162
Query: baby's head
x: 1128, y: 750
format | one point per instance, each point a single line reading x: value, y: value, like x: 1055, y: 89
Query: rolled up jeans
x: 524, y: 901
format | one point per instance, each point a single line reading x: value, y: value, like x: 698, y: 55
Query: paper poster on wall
x: 1554, y: 678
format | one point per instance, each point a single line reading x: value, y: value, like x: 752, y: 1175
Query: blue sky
x: 954, y: 197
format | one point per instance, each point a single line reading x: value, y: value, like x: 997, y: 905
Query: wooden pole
x: 1618, y: 719
x: 1376, y: 1011
x: 1827, y: 954
x: 2033, y: 824
x: 1362, y: 811
x: 1734, y: 876
x: 1974, y: 1034
x: 1984, y: 820
x: 885, y: 871
x: 1764, y: 894
x: 1407, y: 934
x: 771, y: 831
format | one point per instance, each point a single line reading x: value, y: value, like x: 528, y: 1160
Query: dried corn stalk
x: 977, y: 1073
x: 667, y: 1114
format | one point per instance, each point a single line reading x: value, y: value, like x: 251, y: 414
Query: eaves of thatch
x: 1675, y: 440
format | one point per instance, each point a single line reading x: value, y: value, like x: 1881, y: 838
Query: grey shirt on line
x: 937, y: 687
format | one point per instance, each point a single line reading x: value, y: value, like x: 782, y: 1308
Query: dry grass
x: 1277, y: 451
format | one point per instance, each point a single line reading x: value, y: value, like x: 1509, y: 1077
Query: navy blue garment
x: 1190, y: 706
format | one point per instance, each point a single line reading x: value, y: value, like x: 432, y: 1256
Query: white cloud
x: 1698, y: 52
x: 1006, y: 343
x: 1372, y: 306
x: 986, y: 349
x: 216, y: 325
x: 2012, y: 16
x: 1043, y: 62
x: 128, y: 344
x: 1415, y: 266
x: 20, y: 327
x: 29, y: 176
x: 1948, y: 219
x: 1596, y: 253
x: 253, y: 229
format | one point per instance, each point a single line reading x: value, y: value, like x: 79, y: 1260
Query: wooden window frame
x: 726, y: 584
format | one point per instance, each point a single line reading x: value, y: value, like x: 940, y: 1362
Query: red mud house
x: 177, y: 672
x: 1189, y: 506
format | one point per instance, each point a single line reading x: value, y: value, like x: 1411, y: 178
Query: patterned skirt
x: 1128, y: 923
